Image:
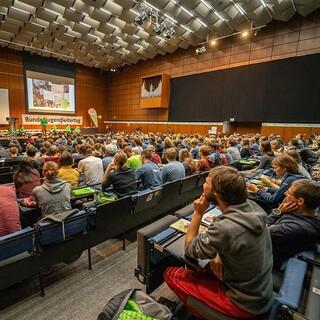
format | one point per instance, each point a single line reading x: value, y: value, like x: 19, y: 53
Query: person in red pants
x: 239, y: 244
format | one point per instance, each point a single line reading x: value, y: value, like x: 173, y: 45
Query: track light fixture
x: 117, y: 68
x: 201, y: 50
x: 243, y: 34
x: 162, y: 25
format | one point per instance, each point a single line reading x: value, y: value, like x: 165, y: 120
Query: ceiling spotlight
x: 244, y: 34
x: 201, y: 50
x: 213, y: 42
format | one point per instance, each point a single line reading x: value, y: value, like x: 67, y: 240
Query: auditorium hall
x: 159, y: 159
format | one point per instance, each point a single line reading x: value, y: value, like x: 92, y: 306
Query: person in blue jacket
x: 285, y: 168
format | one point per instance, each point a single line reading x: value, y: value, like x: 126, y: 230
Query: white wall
x: 4, y: 106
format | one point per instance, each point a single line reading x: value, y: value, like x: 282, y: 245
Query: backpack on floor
x: 136, y: 305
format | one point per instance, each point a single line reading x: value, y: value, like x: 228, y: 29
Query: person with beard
x: 239, y: 243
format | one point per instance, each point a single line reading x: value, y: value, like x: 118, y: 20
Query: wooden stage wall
x: 116, y: 96
x: 90, y: 88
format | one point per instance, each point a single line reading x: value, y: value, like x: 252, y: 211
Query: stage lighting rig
x: 201, y: 50
x: 162, y: 25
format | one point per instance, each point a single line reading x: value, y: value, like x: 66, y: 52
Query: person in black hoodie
x: 121, y: 177
x: 294, y: 226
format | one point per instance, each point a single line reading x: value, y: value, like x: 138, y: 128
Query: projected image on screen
x: 50, y: 93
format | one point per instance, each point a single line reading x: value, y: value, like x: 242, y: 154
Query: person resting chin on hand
x: 294, y: 226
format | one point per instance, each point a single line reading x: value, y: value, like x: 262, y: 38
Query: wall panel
x: 90, y: 87
x: 299, y: 36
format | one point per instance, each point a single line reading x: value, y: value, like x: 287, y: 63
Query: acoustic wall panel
x: 283, y: 90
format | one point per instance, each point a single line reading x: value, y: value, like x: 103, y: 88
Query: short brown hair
x: 86, y: 150
x: 66, y: 159
x: 205, y: 151
x: 309, y: 191
x: 171, y: 154
x: 147, y: 154
x: 287, y: 162
x: 229, y: 184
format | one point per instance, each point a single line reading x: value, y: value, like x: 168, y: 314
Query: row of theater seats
x: 7, y: 169
x: 31, y: 250
x: 299, y: 277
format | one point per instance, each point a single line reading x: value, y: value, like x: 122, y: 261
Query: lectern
x: 12, y: 125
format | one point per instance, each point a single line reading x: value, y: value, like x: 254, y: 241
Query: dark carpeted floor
x: 73, y: 291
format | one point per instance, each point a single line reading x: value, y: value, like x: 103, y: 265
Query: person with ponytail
x: 26, y: 178
x: 53, y: 196
x: 121, y: 177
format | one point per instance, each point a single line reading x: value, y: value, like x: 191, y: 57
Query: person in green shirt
x: 134, y: 161
x: 44, y: 123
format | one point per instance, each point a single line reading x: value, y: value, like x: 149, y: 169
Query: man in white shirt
x: 91, y: 166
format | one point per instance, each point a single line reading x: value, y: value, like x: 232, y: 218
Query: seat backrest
x: 112, y: 217
x: 202, y: 178
x: 5, y: 170
x: 146, y: 199
x: 52, y: 232
x: 16, y: 243
x: 189, y: 183
x: 143, y: 237
x: 6, y: 177
x: 11, y: 163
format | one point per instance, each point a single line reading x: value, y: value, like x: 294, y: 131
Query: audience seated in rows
x: 239, y: 244
x: 53, y: 196
x: 134, y: 161
x: 149, y: 172
x: 31, y: 156
x: 205, y: 163
x: 120, y: 176
x: 233, y: 150
x: 294, y: 226
x: 186, y: 159
x: 13, y: 154
x: 302, y: 170
x: 173, y: 170
x: 137, y: 149
x: 110, y: 151
x: 26, y: 178
x: 9, y: 211
x: 286, y: 168
x: 54, y: 154
x: 267, y: 155
x: 90, y: 166
x: 155, y: 158
x: 66, y: 170
x: 245, y: 150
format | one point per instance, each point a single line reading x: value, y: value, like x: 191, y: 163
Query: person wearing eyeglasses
x: 294, y: 226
